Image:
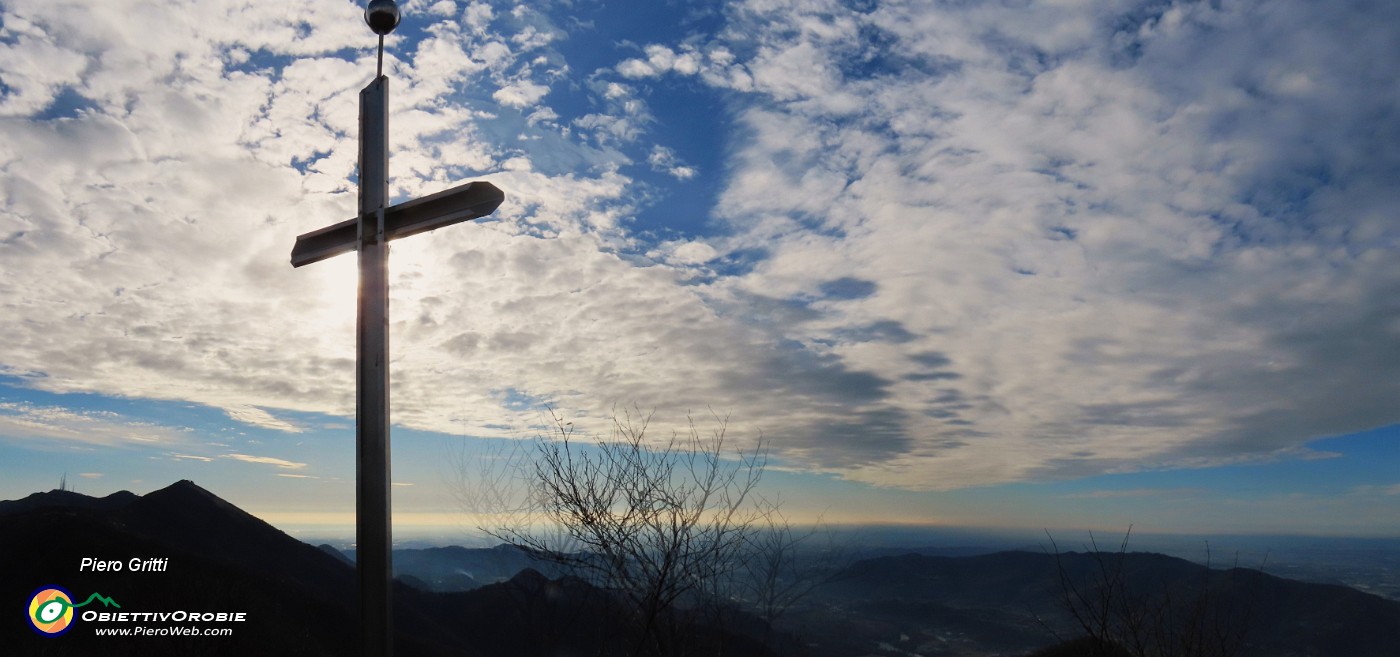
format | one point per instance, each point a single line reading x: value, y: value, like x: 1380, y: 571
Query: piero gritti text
x: 133, y: 565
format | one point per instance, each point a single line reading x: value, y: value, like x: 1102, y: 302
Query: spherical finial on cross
x: 382, y: 16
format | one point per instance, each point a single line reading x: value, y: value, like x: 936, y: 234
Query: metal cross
x: 369, y: 233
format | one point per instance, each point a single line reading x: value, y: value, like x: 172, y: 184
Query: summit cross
x: 369, y: 233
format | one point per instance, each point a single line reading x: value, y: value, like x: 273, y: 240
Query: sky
x: 1031, y: 263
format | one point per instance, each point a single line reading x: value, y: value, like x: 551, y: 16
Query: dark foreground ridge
x: 300, y: 599
x: 999, y: 603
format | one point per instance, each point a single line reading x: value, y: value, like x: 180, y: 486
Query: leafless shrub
x: 669, y: 525
x: 1201, y: 618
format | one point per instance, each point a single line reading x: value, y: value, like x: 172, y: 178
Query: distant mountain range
x: 69, y: 500
x: 456, y: 568
x: 300, y: 599
x: 1004, y: 602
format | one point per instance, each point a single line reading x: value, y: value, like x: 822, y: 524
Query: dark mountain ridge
x: 1007, y: 599
x: 67, y: 499
x: 301, y: 599
x: 455, y: 568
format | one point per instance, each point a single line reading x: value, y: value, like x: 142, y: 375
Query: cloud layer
x: 954, y: 245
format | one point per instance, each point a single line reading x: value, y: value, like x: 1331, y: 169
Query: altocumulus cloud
x: 954, y: 244
x: 1143, y: 236
x: 58, y: 427
x: 266, y: 460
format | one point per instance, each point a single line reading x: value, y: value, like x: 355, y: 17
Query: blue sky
x: 997, y: 264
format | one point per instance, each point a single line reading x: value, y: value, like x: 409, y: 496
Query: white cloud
x: 610, y: 128
x: 661, y: 60
x: 443, y: 8
x: 36, y: 71
x: 693, y: 253
x: 266, y: 460
x: 478, y: 16
x: 991, y: 244
x: 636, y: 68
x: 1157, y: 493
x: 1372, y: 490
x: 521, y: 94
x: 664, y: 159
x: 260, y: 418
x: 55, y: 426
x: 1094, y: 250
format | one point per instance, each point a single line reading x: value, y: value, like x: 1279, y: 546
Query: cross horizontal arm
x: 461, y: 203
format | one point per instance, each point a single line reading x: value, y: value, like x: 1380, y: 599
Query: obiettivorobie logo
x: 51, y: 609
x: 52, y: 612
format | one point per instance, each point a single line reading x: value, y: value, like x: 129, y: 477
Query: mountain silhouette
x: 457, y: 568
x: 1010, y: 601
x: 197, y: 521
x: 298, y: 600
x: 67, y: 499
x: 301, y: 600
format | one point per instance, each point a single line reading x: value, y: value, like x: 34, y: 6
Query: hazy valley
x: 955, y: 599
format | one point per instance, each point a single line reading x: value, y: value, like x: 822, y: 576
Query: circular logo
x: 51, y: 611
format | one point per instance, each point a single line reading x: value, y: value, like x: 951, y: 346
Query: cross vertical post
x: 368, y: 234
x: 373, y: 533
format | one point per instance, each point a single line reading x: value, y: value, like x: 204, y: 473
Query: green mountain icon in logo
x: 106, y: 601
